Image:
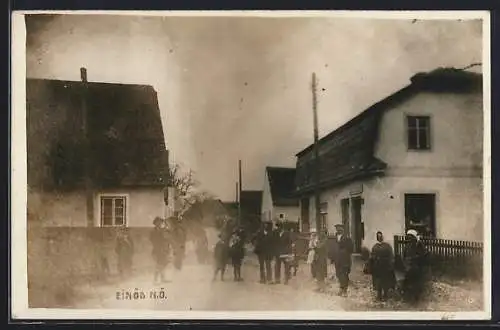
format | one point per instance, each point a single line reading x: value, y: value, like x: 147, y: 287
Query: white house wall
x: 143, y: 205
x: 292, y: 212
x: 69, y: 209
x: 267, y: 201
x: 452, y: 169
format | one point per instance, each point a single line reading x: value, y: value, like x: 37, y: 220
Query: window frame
x: 126, y: 209
x: 430, y: 134
x: 435, y: 224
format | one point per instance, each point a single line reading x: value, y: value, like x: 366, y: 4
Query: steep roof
x: 347, y: 153
x: 282, y: 185
x: 251, y: 202
x: 127, y: 145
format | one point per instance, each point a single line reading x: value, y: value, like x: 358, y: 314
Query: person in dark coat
x: 415, y: 266
x: 342, y: 259
x: 237, y: 253
x: 124, y: 251
x: 320, y: 262
x: 178, y: 237
x: 382, y: 267
x: 282, y: 246
x: 221, y: 256
x: 161, y: 249
x: 263, y: 249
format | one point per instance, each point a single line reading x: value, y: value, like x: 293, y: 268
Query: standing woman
x: 320, y: 260
x: 313, y: 242
x: 382, y: 267
x: 415, y: 279
x: 160, y: 249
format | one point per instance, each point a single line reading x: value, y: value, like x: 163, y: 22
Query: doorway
x: 357, y: 231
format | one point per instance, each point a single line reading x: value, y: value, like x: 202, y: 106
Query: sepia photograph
x: 258, y: 165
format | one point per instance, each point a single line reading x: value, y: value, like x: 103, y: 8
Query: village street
x: 193, y: 289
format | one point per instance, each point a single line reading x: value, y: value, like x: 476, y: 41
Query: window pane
x: 119, y: 202
x: 106, y: 211
x: 423, y: 140
x: 412, y: 138
x: 119, y: 221
x: 412, y: 122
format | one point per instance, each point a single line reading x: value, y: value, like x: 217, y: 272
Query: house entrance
x: 352, y: 220
x: 357, y: 230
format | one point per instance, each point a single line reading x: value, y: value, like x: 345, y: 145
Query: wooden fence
x: 447, y: 257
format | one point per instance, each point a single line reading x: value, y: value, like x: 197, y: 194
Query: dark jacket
x: 282, y: 242
x: 221, y: 254
x: 263, y: 243
x: 342, y: 252
x: 236, y: 247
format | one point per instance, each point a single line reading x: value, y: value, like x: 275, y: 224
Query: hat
x: 339, y: 225
x: 412, y: 232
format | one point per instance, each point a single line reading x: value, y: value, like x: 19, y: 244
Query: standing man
x: 263, y: 250
x: 342, y: 259
x: 161, y: 249
x: 282, y: 247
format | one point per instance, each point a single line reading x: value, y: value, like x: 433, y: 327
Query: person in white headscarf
x: 313, y: 243
x: 415, y: 267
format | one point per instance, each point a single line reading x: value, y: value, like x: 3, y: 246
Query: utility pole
x: 88, y: 180
x: 319, y: 225
x: 240, y: 188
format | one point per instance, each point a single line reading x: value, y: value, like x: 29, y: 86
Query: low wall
x: 60, y: 257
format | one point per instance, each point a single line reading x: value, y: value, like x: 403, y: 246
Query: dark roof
x: 251, y: 202
x: 282, y: 185
x: 347, y: 153
x: 127, y: 145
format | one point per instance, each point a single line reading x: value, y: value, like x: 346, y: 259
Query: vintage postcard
x: 251, y: 165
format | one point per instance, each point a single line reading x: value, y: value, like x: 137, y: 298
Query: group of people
x: 380, y: 264
x: 167, y: 238
x: 231, y: 247
x: 337, y: 251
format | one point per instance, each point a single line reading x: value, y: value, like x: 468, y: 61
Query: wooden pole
x: 319, y: 225
x: 240, y: 188
x: 89, y: 196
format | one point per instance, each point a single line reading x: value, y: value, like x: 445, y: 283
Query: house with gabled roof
x: 414, y: 160
x: 127, y: 157
x: 278, y: 200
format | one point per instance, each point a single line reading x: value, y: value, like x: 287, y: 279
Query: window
x: 420, y: 213
x: 113, y: 211
x: 323, y: 211
x: 282, y: 216
x: 419, y: 132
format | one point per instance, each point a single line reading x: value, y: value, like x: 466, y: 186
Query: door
x: 357, y: 231
x: 344, y: 207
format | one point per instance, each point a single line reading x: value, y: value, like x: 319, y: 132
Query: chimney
x: 83, y: 74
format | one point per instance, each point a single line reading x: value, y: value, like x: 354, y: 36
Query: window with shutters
x: 113, y: 211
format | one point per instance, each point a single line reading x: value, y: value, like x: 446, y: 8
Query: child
x: 220, y: 255
x: 237, y: 253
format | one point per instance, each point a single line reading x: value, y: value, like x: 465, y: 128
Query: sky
x: 234, y: 88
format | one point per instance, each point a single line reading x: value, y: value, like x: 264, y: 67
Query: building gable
x: 127, y: 146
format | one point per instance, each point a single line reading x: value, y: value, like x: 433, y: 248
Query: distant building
x: 278, y: 200
x: 251, y: 205
x: 412, y: 160
x: 128, y: 160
